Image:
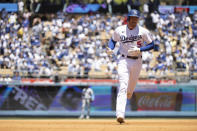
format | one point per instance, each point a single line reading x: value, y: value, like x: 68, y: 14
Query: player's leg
x: 133, y: 77
x: 123, y: 74
x: 88, y: 110
x: 82, y: 109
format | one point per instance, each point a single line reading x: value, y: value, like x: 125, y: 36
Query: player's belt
x: 132, y: 57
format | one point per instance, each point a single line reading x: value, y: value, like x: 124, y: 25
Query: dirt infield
x: 98, y: 125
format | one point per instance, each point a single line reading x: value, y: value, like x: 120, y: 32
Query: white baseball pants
x: 128, y: 72
x: 85, y: 104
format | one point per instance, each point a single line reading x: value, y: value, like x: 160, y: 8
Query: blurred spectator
x: 195, y: 16
x: 145, y: 9
x: 1, y: 78
x: 136, y: 5
x: 155, y: 19
x: 20, y: 6
x: 16, y: 76
x: 7, y: 78
x: 78, y: 42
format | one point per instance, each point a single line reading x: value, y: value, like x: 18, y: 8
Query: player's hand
x: 134, y: 51
x: 109, y: 51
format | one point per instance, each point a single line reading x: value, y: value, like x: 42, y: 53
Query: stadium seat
x: 103, y: 67
x: 152, y: 63
x: 6, y: 72
x: 170, y: 74
x: 104, y: 35
x: 158, y: 74
x: 183, y: 73
x: 194, y: 75
x: 98, y: 74
x: 143, y: 74
x: 23, y: 74
x: 156, y: 54
x: 63, y: 71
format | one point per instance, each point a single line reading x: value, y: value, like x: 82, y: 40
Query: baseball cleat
x: 120, y: 120
x: 81, y: 117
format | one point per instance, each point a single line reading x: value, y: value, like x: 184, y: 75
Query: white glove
x: 109, y: 51
x: 134, y: 51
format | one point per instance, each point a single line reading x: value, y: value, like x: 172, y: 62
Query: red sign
x: 181, y: 9
x: 33, y: 80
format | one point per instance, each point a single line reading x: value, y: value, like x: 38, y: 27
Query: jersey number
x: 139, y: 44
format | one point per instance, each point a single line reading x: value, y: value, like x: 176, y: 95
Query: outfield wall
x: 41, y: 99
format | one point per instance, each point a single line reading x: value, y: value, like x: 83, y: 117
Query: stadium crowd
x: 76, y: 44
x: 175, y: 38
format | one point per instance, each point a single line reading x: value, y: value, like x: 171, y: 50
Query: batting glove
x: 134, y: 51
x: 109, y: 51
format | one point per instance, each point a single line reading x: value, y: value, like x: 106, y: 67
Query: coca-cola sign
x: 156, y: 101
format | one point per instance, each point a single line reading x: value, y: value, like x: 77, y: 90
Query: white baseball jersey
x: 128, y: 68
x: 87, y: 93
x: 131, y: 38
x: 87, y: 97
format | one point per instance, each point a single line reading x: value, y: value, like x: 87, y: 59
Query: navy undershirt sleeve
x: 111, y: 44
x: 147, y: 47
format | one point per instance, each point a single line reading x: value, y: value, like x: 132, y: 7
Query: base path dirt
x: 148, y: 124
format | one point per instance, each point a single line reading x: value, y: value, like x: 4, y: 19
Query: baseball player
x: 132, y: 39
x: 87, y: 98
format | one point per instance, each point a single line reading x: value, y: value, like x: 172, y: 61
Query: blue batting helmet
x: 133, y: 12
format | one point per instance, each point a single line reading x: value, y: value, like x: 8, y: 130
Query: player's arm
x: 135, y: 51
x: 111, y: 44
x: 147, y: 47
x: 148, y: 38
x: 92, y: 95
x: 83, y: 93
